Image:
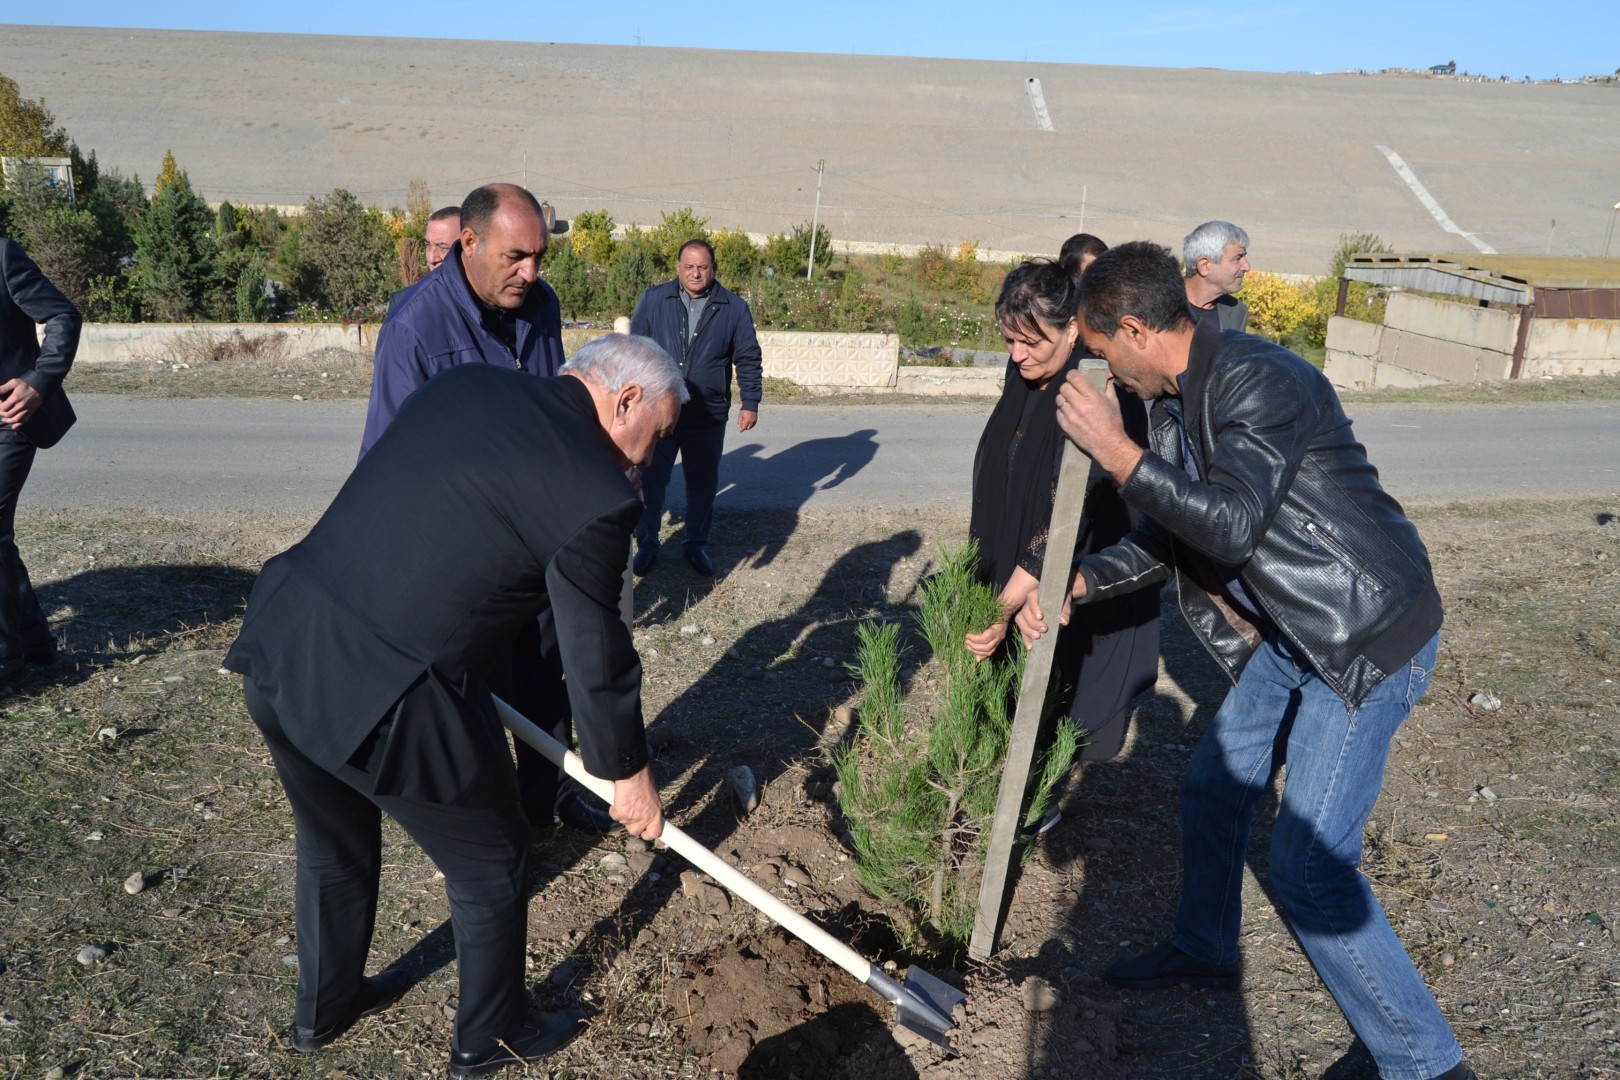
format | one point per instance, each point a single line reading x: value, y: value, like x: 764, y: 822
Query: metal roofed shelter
x: 1512, y: 316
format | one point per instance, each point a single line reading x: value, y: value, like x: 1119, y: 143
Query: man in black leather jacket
x: 1308, y: 585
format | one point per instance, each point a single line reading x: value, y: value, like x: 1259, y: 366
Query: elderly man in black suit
x: 366, y: 647
x: 34, y: 415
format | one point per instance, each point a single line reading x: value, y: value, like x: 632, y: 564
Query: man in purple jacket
x: 486, y: 304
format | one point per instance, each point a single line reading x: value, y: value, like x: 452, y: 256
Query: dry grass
x: 134, y: 755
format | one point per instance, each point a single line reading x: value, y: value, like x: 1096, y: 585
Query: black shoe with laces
x: 574, y: 811
x: 542, y: 1034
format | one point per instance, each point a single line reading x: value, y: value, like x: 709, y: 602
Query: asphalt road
x: 206, y: 459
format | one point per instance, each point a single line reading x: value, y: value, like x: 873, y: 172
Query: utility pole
x: 1082, y: 208
x: 815, y: 219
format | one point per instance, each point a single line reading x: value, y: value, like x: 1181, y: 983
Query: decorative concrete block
x: 845, y: 360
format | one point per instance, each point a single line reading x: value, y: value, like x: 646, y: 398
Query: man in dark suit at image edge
x: 366, y: 648
x: 34, y: 415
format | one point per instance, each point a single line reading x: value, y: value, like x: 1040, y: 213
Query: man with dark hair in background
x: 1214, y: 258
x: 709, y: 330
x: 1080, y: 251
x: 1309, y: 586
x: 442, y: 232
x: 486, y: 304
x: 438, y: 237
x: 34, y: 415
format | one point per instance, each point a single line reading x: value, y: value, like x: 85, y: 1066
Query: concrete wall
x: 1425, y: 341
x: 1572, y: 347
x: 842, y: 361
x: 126, y: 343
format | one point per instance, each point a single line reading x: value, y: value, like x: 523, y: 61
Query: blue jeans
x: 699, y: 450
x: 1280, y: 712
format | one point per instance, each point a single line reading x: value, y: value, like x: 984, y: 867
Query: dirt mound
x: 772, y: 1007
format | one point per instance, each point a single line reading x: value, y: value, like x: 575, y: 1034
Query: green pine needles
x: 919, y: 781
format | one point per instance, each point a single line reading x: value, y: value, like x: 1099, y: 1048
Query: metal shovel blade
x: 922, y: 1005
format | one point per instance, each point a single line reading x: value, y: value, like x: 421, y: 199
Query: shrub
x: 634, y: 270
x: 671, y: 233
x: 591, y: 234
x: 572, y: 278
x: 1355, y: 244
x: 1276, y: 306
x: 919, y: 796
x: 737, y: 260
x: 789, y: 256
x: 344, y: 259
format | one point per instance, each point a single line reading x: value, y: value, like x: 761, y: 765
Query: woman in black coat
x: 1109, y: 652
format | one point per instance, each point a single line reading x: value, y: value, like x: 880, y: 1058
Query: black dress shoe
x: 646, y: 558
x: 1459, y: 1071
x: 44, y: 656
x: 699, y: 558
x: 575, y: 812
x: 1166, y: 965
x: 376, y: 994
x: 542, y: 1034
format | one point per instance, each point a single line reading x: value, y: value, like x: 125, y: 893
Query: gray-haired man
x: 1214, y: 257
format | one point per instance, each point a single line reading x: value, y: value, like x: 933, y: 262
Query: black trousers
x: 476, y: 836
x: 530, y: 679
x: 23, y: 628
x: 700, y: 450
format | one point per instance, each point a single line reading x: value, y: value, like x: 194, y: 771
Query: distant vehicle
x: 1447, y: 68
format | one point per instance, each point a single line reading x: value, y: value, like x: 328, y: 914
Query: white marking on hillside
x: 1037, y: 101
x: 1404, y: 171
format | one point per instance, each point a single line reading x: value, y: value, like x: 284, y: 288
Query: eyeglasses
x: 442, y: 249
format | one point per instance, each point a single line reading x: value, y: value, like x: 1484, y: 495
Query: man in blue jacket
x: 709, y: 330
x: 34, y: 414
x: 486, y: 304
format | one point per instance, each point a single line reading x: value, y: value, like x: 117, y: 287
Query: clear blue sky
x: 1566, y: 38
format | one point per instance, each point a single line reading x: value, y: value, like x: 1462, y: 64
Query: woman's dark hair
x: 1078, y: 247
x: 1036, y: 295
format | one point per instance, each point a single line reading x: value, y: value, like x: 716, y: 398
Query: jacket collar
x: 1206, y: 342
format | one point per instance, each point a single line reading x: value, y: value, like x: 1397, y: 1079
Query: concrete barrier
x: 841, y: 361
x: 128, y: 343
x: 1572, y: 347
x: 1494, y: 329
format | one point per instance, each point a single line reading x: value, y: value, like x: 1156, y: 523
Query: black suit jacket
x: 28, y: 298
x: 491, y: 495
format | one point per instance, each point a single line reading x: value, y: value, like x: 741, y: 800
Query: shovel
x: 923, y: 1004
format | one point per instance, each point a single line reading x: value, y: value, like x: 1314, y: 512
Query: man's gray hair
x: 614, y: 361
x: 1209, y: 241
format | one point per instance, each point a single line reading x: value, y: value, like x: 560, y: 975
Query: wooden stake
x: 1067, y: 507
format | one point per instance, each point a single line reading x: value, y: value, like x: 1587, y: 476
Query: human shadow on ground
x: 106, y: 616
x: 1120, y: 833
x: 766, y: 708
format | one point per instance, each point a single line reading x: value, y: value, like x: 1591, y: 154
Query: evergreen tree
x: 175, y: 248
